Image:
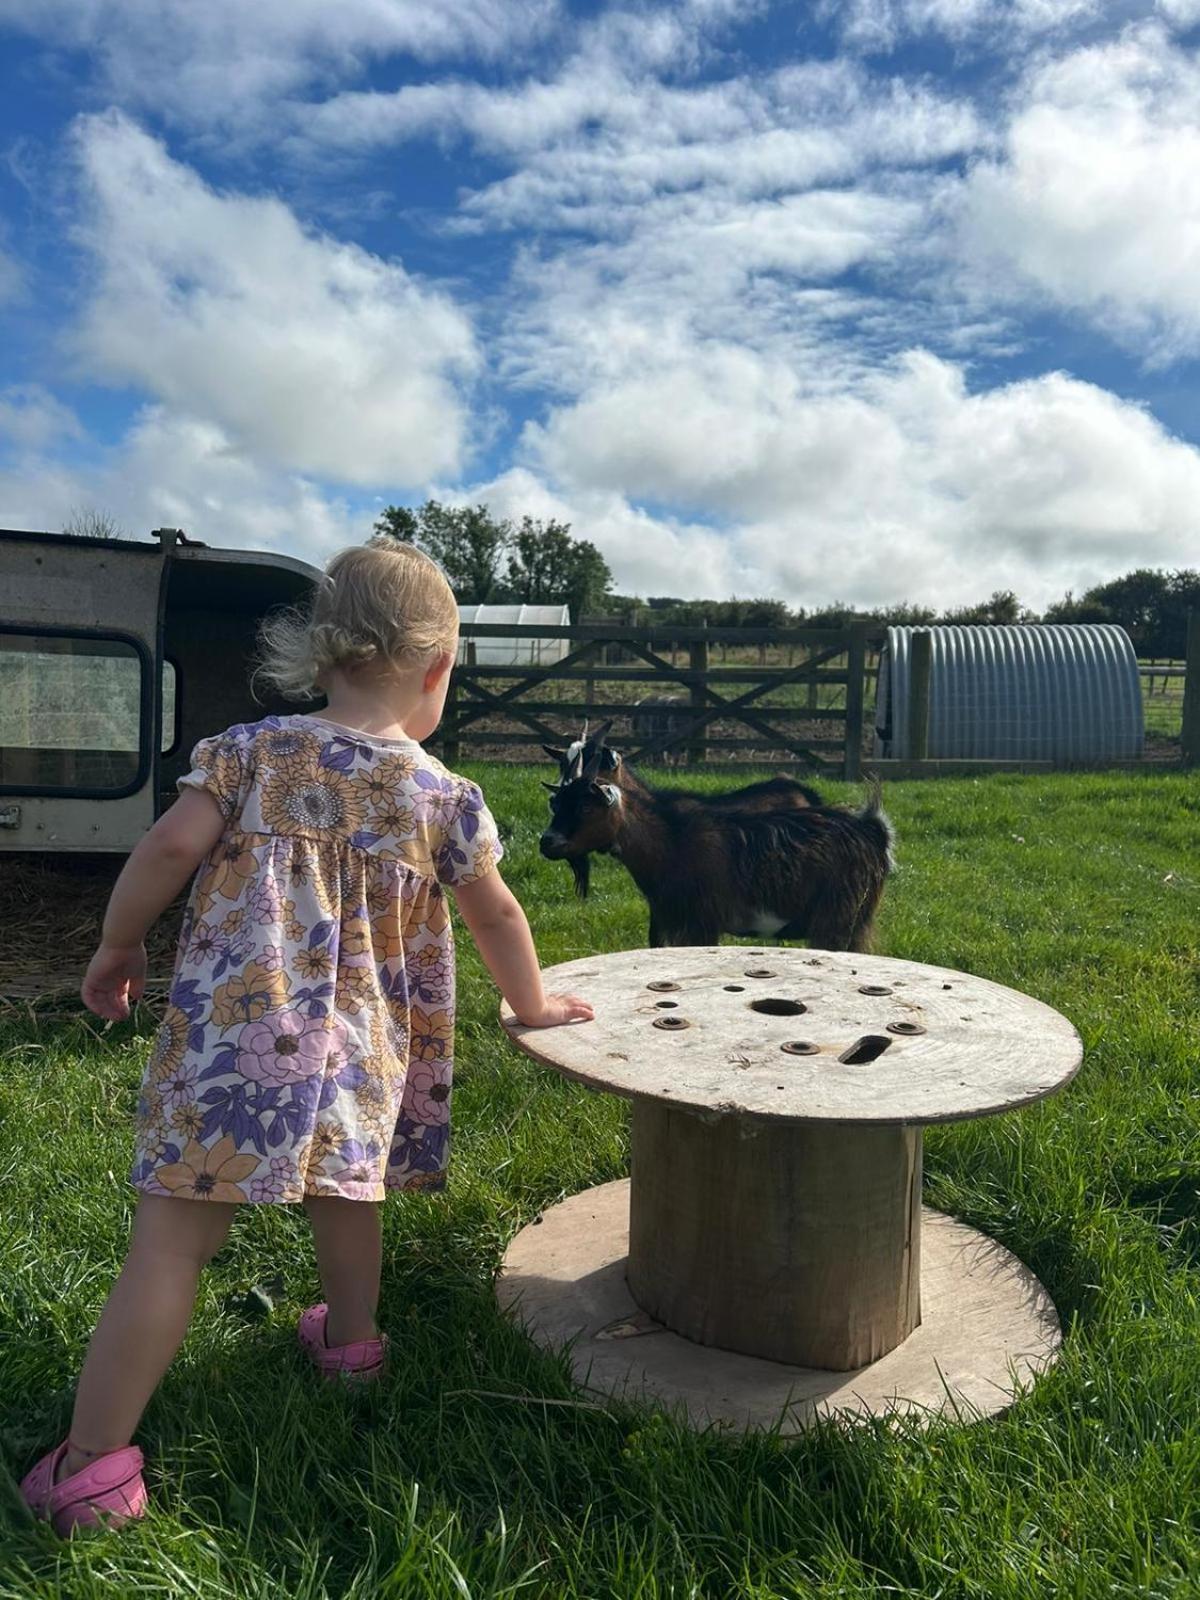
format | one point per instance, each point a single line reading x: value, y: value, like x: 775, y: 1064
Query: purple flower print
x: 434, y: 799
x: 468, y: 820
x: 180, y: 1088
x: 427, y: 1093
x: 203, y: 942
x: 418, y: 1147
x: 272, y: 1189
x: 265, y: 904
x: 283, y: 1047
x: 272, y: 959
x: 427, y: 975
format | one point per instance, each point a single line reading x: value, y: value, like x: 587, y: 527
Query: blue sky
x: 860, y: 300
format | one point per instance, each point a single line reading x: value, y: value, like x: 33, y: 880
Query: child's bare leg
x: 349, y: 1245
x: 144, y: 1321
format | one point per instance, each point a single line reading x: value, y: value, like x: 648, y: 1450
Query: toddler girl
x: 306, y: 1052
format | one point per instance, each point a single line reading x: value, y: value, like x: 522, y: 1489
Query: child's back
x: 308, y: 1045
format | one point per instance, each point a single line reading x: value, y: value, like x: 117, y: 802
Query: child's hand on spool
x: 557, y: 1009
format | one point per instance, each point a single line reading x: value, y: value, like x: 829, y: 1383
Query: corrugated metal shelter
x: 1028, y: 693
x: 501, y: 652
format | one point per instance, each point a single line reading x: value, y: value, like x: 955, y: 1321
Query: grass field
x: 478, y: 1472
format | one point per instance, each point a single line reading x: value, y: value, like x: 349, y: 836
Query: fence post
x: 920, y: 671
x: 856, y: 663
x: 450, y: 744
x: 697, y: 750
x: 1190, y: 736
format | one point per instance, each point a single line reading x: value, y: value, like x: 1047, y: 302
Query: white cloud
x: 903, y: 484
x: 1180, y: 14
x: 32, y: 419
x: 215, y: 63
x: 878, y: 26
x: 310, y: 353
x: 1095, y: 205
x: 607, y: 127
x: 178, y: 471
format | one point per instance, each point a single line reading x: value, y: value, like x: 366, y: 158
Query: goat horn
x: 555, y: 753
x: 553, y: 787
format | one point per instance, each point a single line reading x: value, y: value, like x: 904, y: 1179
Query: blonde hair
x: 385, y: 602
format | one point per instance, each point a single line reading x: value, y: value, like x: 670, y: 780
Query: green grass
x: 1082, y: 890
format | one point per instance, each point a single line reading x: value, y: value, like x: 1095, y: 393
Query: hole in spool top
x: 869, y: 1048
x: 873, y: 988
x: 735, y: 988
x: 663, y: 986
x: 759, y: 972
x: 905, y: 1029
x: 665, y: 1005
x: 779, y: 1008
x: 800, y: 1047
x: 671, y: 1024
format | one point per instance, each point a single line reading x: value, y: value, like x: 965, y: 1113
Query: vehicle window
x: 70, y: 712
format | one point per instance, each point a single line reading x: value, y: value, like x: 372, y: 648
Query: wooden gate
x: 800, y: 702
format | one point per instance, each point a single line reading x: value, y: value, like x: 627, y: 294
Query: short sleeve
x: 472, y: 846
x: 219, y: 768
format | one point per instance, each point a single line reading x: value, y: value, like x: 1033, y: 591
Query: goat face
x: 584, y: 816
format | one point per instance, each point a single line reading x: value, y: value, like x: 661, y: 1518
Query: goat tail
x: 873, y: 811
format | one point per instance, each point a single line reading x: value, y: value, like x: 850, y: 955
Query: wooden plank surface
x: 985, y: 1048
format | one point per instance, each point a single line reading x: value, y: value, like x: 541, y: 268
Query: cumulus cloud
x: 1095, y: 203
x: 916, y: 483
x: 311, y: 353
x: 224, y: 62
x: 178, y: 471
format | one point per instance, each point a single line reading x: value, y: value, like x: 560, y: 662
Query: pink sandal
x: 362, y: 1360
x: 109, y: 1491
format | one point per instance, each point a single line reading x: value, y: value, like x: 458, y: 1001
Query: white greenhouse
x: 497, y: 651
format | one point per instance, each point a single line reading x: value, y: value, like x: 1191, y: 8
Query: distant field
x: 478, y: 1471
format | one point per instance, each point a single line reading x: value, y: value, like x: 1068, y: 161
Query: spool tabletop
x: 804, y: 1036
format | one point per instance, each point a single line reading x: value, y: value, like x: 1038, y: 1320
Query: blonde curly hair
x: 385, y: 602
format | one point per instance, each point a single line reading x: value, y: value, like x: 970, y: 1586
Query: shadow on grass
x: 1172, y: 1204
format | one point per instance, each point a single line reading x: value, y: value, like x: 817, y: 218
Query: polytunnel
x: 1046, y: 692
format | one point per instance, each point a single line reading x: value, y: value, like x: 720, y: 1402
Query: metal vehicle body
x: 116, y: 656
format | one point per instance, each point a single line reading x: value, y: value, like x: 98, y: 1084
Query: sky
x: 853, y: 300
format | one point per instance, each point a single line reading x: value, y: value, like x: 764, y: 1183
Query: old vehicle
x: 116, y: 656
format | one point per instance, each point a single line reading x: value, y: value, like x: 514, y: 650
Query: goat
x: 660, y: 716
x: 770, y: 860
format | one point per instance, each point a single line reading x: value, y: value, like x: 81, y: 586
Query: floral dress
x: 308, y: 1041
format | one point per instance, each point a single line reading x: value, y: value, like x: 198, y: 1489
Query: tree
x: 1001, y: 608
x: 547, y: 567
x: 88, y: 523
x: 1151, y: 605
x: 466, y: 541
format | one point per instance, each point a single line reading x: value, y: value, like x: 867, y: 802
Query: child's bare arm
x: 156, y: 871
x: 499, y: 927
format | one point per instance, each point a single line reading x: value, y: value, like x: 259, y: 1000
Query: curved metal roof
x: 1036, y: 692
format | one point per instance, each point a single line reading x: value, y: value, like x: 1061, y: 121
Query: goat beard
x: 581, y: 869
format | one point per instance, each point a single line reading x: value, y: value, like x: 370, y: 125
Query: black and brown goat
x: 770, y: 860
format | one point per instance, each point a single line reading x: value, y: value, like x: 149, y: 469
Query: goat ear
x: 612, y: 795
